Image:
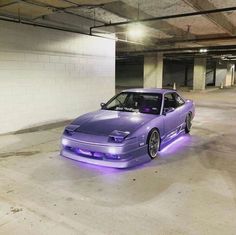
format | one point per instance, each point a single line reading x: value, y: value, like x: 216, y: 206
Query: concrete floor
x: 190, y: 189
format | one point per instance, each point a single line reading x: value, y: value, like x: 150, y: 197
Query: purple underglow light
x: 176, y: 146
x: 96, y: 168
x: 97, y: 154
x: 112, y: 156
x: 103, y: 170
x: 147, y: 110
x: 84, y: 152
x: 173, y: 135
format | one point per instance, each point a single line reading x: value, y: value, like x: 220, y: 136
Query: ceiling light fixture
x: 203, y: 50
x: 136, y: 31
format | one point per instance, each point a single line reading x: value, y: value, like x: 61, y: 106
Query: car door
x: 171, y: 119
x: 180, y: 103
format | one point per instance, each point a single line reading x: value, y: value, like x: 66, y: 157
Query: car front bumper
x: 109, y: 155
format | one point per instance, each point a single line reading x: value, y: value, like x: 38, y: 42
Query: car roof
x: 149, y: 90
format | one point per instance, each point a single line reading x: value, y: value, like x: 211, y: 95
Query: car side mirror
x: 168, y: 110
x: 102, y: 105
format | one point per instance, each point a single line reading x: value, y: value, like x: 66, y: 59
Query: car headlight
x: 64, y: 142
x: 118, y: 136
x: 69, y: 130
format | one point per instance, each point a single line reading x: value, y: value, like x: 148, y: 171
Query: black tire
x: 153, y: 142
x: 188, y: 123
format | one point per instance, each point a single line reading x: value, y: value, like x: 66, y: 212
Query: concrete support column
x: 233, y: 74
x: 199, y: 74
x: 234, y: 78
x: 153, y: 71
x: 229, y: 79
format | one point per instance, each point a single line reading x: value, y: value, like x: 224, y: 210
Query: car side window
x: 169, y: 101
x: 178, y: 100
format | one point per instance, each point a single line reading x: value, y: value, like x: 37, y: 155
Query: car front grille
x: 94, y: 155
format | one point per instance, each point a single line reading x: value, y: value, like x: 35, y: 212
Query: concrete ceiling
x: 80, y: 15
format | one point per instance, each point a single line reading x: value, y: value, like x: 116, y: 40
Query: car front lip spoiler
x: 114, y: 164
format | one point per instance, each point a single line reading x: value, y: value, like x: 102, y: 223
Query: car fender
x: 190, y: 107
x: 142, y: 133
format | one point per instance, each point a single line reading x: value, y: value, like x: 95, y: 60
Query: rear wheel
x: 153, y: 143
x: 188, y: 123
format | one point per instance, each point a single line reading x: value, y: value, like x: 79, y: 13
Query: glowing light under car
x: 97, y: 155
x: 177, y: 145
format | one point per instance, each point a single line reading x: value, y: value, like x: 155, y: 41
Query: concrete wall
x: 174, y: 71
x: 153, y: 70
x: 210, y: 77
x: 48, y: 75
x: 129, y: 73
x: 225, y: 74
x: 221, y: 72
x: 229, y: 79
x: 210, y: 72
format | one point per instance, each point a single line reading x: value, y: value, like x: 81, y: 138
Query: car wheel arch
x: 153, y: 147
x: 188, y: 119
x: 149, y: 133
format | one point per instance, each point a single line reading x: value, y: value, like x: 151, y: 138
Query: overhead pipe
x: 200, y: 39
x: 25, y: 22
x: 190, y: 49
x: 205, y: 12
x: 57, y: 9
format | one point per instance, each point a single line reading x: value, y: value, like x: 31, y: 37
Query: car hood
x: 103, y: 122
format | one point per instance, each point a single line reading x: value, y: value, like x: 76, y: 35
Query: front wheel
x: 153, y: 143
x: 188, y: 123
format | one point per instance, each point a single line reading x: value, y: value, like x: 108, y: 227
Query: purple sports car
x: 129, y: 129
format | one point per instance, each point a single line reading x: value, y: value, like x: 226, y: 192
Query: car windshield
x: 135, y: 102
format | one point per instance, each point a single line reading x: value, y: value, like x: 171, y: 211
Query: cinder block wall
x: 48, y: 75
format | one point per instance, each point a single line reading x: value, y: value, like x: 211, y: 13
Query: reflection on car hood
x: 103, y: 122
